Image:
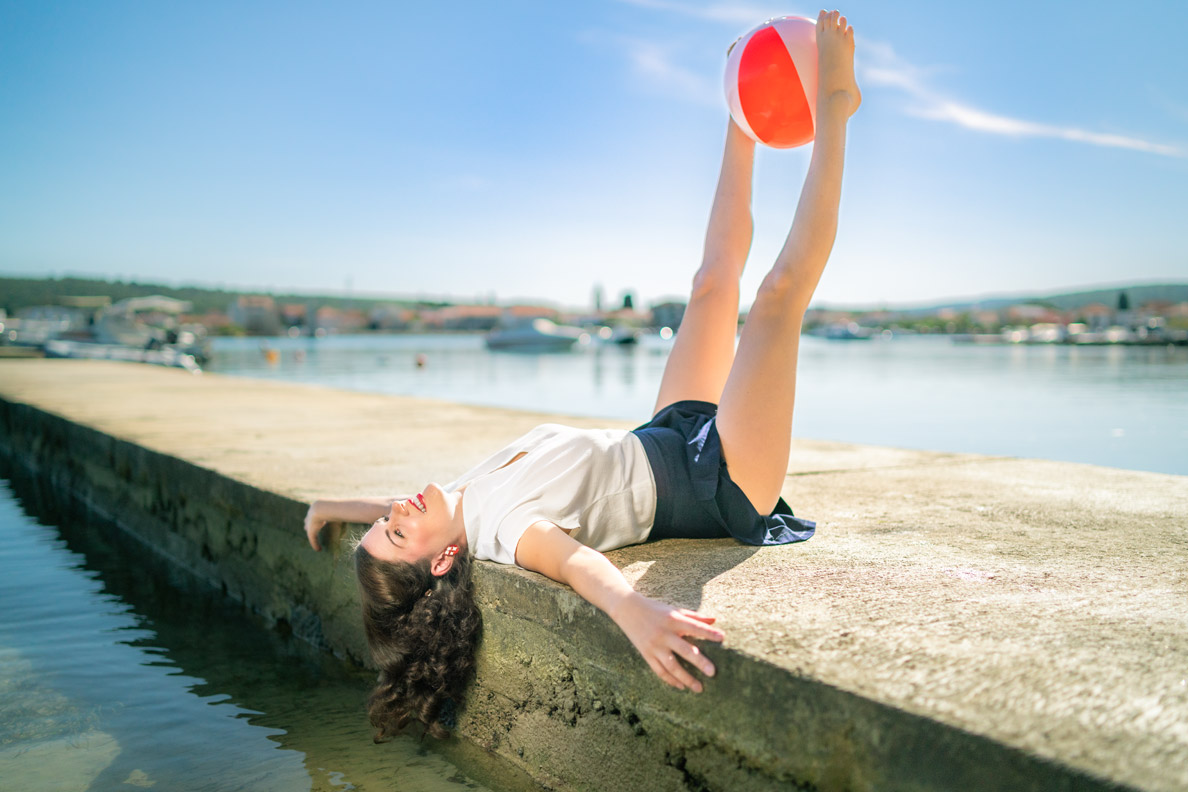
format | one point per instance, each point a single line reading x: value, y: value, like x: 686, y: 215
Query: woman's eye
x: 399, y: 534
x: 384, y: 518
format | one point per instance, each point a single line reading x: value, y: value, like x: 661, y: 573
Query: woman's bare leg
x: 755, y: 414
x: 700, y: 359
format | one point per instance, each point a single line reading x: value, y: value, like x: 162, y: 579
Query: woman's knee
x: 710, y: 281
x: 763, y: 491
x: 781, y: 291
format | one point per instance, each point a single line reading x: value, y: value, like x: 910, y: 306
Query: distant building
x: 1096, y: 316
x: 627, y: 316
x: 1156, y: 307
x: 1179, y: 310
x: 293, y: 314
x: 668, y: 314
x: 257, y: 314
x: 391, y: 317
x: 86, y: 302
x: 213, y: 321
x: 462, y: 317
x: 1033, y: 314
x: 827, y: 316
x: 514, y: 312
x: 340, y: 321
x: 987, y: 318
x: 879, y: 317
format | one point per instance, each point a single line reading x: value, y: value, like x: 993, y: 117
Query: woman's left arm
x: 655, y: 628
x: 348, y: 510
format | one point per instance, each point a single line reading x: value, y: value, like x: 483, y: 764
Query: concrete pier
x: 957, y: 621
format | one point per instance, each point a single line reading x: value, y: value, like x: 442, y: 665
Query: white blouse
x: 594, y: 483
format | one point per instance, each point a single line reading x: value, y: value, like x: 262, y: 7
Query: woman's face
x: 418, y: 527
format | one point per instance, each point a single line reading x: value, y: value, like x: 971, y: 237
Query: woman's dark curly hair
x: 423, y: 631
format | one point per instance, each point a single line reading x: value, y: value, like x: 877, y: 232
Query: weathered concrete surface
x: 958, y: 620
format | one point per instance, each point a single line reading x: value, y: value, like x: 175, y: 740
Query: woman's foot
x: 835, y: 64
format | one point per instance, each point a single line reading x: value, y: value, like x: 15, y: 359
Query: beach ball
x: 771, y: 82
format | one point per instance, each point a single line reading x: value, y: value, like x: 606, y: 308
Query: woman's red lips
x: 421, y: 500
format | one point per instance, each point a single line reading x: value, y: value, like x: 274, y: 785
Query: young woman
x: 710, y: 463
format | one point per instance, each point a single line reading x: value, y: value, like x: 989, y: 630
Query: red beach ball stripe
x: 771, y: 93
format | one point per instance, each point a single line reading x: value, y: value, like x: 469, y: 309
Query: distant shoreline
x: 12, y: 285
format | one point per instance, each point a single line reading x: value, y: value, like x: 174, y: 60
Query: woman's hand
x: 658, y: 629
x: 350, y: 510
x: 314, y: 521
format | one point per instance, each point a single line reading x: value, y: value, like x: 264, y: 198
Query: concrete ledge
x: 957, y: 621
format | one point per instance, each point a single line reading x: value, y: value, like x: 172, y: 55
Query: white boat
x: 37, y: 324
x: 149, y: 323
x: 535, y: 335
x: 851, y: 331
x: 619, y: 334
x: 166, y: 356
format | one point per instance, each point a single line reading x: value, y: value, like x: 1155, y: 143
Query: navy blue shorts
x: 695, y: 497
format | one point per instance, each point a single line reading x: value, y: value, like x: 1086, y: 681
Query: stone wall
x: 560, y: 691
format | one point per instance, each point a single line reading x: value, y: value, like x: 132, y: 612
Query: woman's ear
x: 444, y: 561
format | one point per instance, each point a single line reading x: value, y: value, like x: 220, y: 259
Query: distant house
x: 391, y: 317
x: 335, y: 320
x: 818, y: 316
x: 628, y: 316
x: 1150, y: 313
x: 517, y: 312
x: 462, y: 317
x: 1033, y: 314
x: 1179, y: 310
x: 257, y: 314
x: 668, y: 314
x: 1097, y: 316
x: 293, y: 314
x: 213, y: 321
x: 987, y: 318
x: 880, y: 317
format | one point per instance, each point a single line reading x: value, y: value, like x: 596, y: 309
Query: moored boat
x: 535, y: 335
x: 85, y: 350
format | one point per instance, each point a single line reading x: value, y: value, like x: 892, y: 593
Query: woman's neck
x: 459, y: 522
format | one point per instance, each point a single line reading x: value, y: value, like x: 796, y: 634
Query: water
x: 117, y: 672
x: 1117, y: 406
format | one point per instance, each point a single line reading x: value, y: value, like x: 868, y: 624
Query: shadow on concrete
x: 679, y: 569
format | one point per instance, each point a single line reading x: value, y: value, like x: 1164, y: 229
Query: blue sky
x: 533, y: 149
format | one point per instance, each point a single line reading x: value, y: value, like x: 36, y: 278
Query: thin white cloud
x: 655, y: 63
x: 882, y: 66
x: 972, y: 118
x: 878, y: 64
x: 656, y: 67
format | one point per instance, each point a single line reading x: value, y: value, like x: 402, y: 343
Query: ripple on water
x: 116, y: 672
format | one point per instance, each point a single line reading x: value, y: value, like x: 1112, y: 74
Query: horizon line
x: 867, y: 305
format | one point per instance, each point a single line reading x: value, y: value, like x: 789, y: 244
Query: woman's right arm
x: 656, y: 629
x: 347, y: 510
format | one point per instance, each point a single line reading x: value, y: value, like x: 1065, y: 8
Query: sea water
x: 1119, y: 406
x: 118, y: 671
